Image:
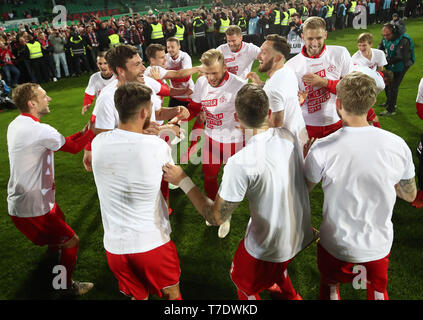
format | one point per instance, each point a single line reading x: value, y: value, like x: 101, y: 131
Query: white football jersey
x: 333, y: 63
x: 282, y: 91
x: 128, y: 170
x: 183, y: 61
x: 218, y: 103
x: 241, y: 61
x: 420, y: 93
x: 31, y: 146
x: 105, y: 114
x: 97, y: 83
x: 378, y: 59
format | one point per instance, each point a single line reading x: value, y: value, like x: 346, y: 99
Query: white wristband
x: 186, y: 184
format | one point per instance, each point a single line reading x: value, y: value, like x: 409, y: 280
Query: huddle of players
x: 258, y: 130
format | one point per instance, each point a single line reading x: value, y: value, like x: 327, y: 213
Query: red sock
x: 68, y: 260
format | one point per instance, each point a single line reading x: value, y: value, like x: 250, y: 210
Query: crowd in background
x: 43, y: 53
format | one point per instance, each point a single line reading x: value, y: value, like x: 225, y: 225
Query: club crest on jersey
x: 331, y: 68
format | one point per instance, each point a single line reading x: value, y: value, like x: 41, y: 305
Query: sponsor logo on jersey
x: 209, y: 103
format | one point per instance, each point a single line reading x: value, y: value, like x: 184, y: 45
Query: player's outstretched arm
x: 215, y: 212
x: 407, y: 189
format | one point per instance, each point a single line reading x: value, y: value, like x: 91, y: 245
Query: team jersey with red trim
x: 333, y: 63
x: 97, y: 83
x: 183, y: 61
x: 218, y: 103
x: 105, y: 114
x: 31, y: 146
x: 241, y: 61
x: 378, y: 59
x: 419, y: 98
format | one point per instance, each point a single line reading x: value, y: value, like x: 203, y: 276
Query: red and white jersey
x: 105, y: 114
x: 183, y: 61
x: 420, y: 92
x: 378, y: 59
x: 218, y: 104
x: 333, y: 63
x: 241, y: 61
x: 31, y: 146
x: 97, y: 83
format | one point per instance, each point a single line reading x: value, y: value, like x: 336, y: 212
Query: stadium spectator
x: 78, y: 52
x: 36, y: 59
x: 210, y: 32
x: 31, y: 188
x: 277, y: 195
x: 343, y: 241
x: 7, y: 66
x: 58, y: 41
x: 399, y: 50
x: 91, y: 39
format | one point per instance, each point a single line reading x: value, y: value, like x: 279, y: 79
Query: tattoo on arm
x: 407, y: 189
x: 226, y: 210
x: 408, y: 186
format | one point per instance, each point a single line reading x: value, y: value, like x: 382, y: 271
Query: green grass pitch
x: 26, y: 271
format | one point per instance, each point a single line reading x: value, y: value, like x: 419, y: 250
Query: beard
x: 266, y: 67
x: 147, y: 122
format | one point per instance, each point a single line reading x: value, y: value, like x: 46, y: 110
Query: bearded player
x: 215, y: 94
x: 239, y: 55
x: 318, y: 69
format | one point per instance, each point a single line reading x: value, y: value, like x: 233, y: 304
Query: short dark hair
x: 130, y: 98
x: 279, y: 44
x: 153, y: 48
x: 252, y: 105
x: 119, y: 55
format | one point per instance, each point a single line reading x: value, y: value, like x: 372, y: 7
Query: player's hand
x: 173, y: 174
x: 153, y: 129
x: 302, y: 96
x: 201, y: 117
x: 87, y: 160
x: 307, y: 146
x: 155, y: 73
x: 254, y: 78
x: 85, y: 108
x: 311, y: 79
x: 183, y: 113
